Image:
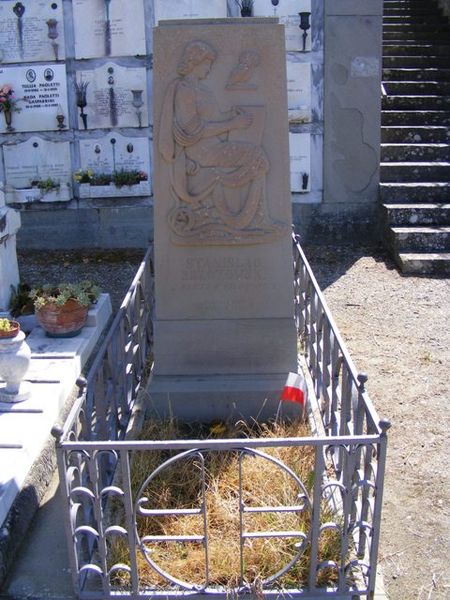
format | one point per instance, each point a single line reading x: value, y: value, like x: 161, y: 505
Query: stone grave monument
x: 9, y: 272
x: 224, y: 330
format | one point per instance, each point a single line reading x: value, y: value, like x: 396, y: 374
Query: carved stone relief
x: 217, y: 164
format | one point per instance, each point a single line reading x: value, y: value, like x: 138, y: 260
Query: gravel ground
x: 113, y: 271
x: 396, y: 328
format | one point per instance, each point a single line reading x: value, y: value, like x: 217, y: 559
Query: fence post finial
x: 384, y: 425
x: 362, y: 378
x: 57, y: 432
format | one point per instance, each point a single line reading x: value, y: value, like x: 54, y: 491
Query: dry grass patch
x: 216, y: 479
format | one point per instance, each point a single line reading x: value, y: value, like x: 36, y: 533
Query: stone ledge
x: 25, y: 427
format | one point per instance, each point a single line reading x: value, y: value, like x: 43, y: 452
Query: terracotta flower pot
x: 62, y: 321
x: 15, y: 328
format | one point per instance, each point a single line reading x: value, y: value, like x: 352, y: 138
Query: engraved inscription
x: 226, y: 273
x: 217, y: 165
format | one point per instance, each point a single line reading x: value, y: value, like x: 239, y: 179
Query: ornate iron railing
x: 95, y: 461
x: 116, y: 373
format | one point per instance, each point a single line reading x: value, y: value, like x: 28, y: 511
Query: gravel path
x: 397, y: 331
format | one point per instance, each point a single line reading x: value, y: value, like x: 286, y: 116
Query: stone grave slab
x: 115, y: 152
x: 37, y: 160
x: 9, y: 271
x: 189, y: 9
x: 299, y: 91
x: 31, y: 31
x: 288, y: 13
x: 41, y: 92
x: 105, y: 28
x: 300, y: 151
x: 224, y: 292
x: 115, y: 96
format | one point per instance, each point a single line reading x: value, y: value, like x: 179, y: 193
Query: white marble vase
x: 15, y: 357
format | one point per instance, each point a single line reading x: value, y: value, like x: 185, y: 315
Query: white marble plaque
x: 109, y: 28
x: 115, y: 152
x: 115, y: 97
x: 33, y: 161
x: 299, y: 92
x: 288, y: 13
x: 31, y: 30
x: 190, y: 9
x: 41, y: 93
x: 300, y: 153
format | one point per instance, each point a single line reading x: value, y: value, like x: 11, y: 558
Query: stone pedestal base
x: 22, y: 393
x: 223, y: 397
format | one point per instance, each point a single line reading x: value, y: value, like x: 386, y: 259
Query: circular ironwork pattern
x: 142, y: 508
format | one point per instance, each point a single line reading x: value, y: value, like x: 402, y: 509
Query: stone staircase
x: 415, y: 150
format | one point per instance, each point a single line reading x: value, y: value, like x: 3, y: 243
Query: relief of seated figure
x: 218, y: 181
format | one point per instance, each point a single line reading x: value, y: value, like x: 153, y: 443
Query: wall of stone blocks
x: 115, y: 130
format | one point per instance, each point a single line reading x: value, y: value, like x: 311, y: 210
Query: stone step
x: 414, y: 102
x: 413, y: 75
x: 421, y: 263
x: 416, y: 214
x: 414, y: 49
x: 434, y: 20
x: 415, y: 152
x: 420, y: 26
x: 437, y: 36
x: 419, y: 239
x: 417, y: 88
x: 406, y: 2
x: 418, y: 8
x: 414, y: 171
x: 416, y: 62
x: 415, y: 135
x: 409, y: 192
x: 413, y: 11
x: 415, y: 117
x: 393, y: 3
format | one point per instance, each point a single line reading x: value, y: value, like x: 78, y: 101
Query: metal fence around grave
x: 102, y: 505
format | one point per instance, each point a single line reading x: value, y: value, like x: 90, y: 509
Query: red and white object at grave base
x: 294, y: 389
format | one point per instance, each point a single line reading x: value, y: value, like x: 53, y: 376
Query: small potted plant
x: 62, y: 309
x: 118, y: 183
x: 8, y: 328
x: 21, y: 307
x: 51, y: 190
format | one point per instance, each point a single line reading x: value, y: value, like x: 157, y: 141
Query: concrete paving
x: 41, y: 570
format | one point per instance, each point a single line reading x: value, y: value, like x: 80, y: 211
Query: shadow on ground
x: 329, y: 263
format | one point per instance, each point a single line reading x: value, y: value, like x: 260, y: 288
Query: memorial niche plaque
x: 115, y: 153
x: 300, y: 151
x: 115, y: 96
x: 299, y: 91
x: 190, y: 9
x: 28, y: 163
x: 287, y: 11
x: 223, y: 250
x: 41, y: 95
x: 31, y: 31
x: 109, y: 28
